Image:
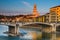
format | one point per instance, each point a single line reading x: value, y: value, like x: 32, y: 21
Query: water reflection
x: 58, y: 36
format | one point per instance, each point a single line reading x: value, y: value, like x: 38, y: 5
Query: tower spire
x: 35, y: 9
x: 35, y: 12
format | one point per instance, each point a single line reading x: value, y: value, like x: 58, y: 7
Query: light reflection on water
x: 58, y: 36
x: 28, y: 35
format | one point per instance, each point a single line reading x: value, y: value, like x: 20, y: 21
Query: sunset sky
x: 21, y: 6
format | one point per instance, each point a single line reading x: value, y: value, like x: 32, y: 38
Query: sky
x: 14, y: 7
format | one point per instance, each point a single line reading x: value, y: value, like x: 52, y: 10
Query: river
x: 28, y: 35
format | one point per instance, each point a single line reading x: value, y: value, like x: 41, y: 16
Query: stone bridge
x: 44, y: 27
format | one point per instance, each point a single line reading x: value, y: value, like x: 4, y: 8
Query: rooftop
x: 55, y: 6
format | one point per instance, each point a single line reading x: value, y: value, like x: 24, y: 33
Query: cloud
x: 26, y: 4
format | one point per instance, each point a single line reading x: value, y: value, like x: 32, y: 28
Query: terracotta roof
x: 56, y: 6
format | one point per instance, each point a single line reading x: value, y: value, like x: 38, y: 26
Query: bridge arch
x: 41, y: 26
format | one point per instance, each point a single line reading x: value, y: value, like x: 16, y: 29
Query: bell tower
x: 35, y: 12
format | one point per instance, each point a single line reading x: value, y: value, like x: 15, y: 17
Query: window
x: 53, y: 13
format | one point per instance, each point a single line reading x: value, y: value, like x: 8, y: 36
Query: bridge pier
x: 13, y: 31
x: 54, y: 28
x: 53, y: 32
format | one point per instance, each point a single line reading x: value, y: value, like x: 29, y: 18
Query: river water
x: 28, y: 35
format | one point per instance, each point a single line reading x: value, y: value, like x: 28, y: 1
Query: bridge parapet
x: 7, y: 24
x: 27, y: 23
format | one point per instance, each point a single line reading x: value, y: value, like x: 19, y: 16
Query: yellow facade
x: 36, y: 19
x: 55, y: 14
x: 42, y: 18
x: 39, y: 19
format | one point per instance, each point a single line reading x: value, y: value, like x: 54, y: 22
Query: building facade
x: 52, y: 17
x: 47, y: 17
x: 55, y: 14
x: 42, y: 18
